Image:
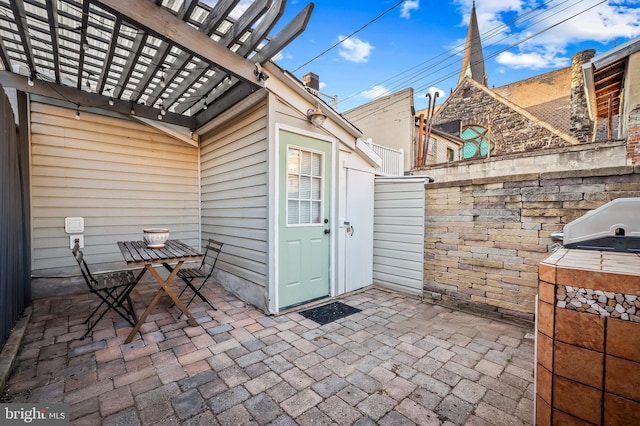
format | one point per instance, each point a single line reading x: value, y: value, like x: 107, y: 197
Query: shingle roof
x: 556, y: 112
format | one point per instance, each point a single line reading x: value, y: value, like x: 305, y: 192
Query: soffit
x: 608, y: 82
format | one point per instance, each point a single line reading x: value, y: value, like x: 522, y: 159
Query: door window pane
x: 293, y: 212
x: 293, y: 161
x: 305, y: 162
x: 316, y: 164
x: 293, y: 186
x: 315, y: 212
x: 304, y: 186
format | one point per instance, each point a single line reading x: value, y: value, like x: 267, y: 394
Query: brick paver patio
x: 399, y: 361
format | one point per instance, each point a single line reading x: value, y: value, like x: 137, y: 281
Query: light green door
x: 304, y: 182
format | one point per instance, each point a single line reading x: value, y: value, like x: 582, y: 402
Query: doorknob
x: 327, y: 231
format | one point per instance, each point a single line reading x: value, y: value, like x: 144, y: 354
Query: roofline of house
x: 600, y: 61
x: 447, y: 136
x: 408, y: 90
x: 297, y: 86
x: 610, y: 56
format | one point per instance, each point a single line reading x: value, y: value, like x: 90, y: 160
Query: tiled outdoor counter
x: 588, y: 354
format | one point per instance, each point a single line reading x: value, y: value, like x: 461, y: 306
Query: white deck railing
x: 392, y: 160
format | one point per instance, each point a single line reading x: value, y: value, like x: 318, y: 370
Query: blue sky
x: 416, y: 44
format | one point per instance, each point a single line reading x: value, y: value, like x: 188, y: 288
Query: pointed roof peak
x: 473, y: 59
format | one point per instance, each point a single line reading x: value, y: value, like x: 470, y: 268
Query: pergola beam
x: 292, y: 30
x: 52, y: 14
x: 232, y: 96
x: 86, y: 99
x: 217, y: 15
x: 17, y: 7
x: 162, y: 51
x: 242, y: 25
x: 163, y: 24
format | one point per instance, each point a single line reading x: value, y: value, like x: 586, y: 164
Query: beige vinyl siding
x: 120, y: 175
x: 234, y: 172
x: 398, y: 236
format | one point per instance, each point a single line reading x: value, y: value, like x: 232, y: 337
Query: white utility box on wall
x: 74, y: 226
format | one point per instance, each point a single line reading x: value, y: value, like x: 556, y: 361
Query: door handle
x: 327, y: 231
x: 353, y: 229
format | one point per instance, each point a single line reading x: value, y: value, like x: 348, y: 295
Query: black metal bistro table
x: 136, y: 253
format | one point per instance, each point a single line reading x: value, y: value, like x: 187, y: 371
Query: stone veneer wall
x: 588, y: 364
x: 485, y: 237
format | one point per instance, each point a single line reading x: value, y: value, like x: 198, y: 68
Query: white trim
x: 407, y: 179
x: 272, y: 207
x: 199, y: 196
x: 357, y: 166
x: 28, y: 97
x: 180, y: 133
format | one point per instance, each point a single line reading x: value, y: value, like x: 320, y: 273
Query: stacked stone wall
x: 484, y: 238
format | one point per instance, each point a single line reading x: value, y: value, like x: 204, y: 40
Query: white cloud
x: 408, y: 6
x: 433, y: 90
x: 587, y: 21
x: 354, y: 50
x: 541, y: 37
x: 281, y: 55
x: 532, y: 60
x: 322, y: 85
x: 375, y: 92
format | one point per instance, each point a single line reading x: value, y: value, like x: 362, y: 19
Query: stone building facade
x: 511, y: 129
x: 545, y: 111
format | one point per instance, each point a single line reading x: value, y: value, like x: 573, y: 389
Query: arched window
x: 478, y: 142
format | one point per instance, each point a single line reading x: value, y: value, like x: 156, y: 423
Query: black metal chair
x: 204, y: 271
x: 113, y: 289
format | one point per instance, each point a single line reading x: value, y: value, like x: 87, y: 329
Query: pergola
x: 182, y: 62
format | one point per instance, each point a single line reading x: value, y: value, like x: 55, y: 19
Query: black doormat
x: 326, y: 313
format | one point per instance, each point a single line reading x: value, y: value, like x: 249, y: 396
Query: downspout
x: 420, y: 136
x: 430, y: 112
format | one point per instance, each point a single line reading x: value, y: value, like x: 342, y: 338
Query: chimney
x: 312, y: 81
x: 581, y: 124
